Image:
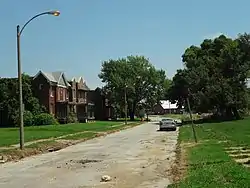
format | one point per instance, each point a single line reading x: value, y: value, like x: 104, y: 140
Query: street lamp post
x: 21, y: 107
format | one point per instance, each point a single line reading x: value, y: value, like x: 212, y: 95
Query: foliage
x: 28, y: 118
x: 72, y: 118
x: 214, y: 77
x: 9, y: 102
x: 45, y: 119
x: 142, y: 113
x: 136, y: 76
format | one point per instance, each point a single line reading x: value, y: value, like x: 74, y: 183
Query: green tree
x: 214, y: 76
x: 9, y: 102
x: 134, y: 75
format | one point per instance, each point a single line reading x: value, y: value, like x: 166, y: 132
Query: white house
x: 166, y: 107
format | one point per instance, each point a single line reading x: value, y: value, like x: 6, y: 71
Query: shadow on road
x: 166, y: 130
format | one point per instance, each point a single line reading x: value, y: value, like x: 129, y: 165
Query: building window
x: 40, y: 86
x: 82, y: 94
x: 51, y: 94
x: 61, y: 94
x: 66, y: 95
x: 74, y: 93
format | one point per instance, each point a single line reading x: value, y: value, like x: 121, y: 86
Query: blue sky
x: 91, y: 31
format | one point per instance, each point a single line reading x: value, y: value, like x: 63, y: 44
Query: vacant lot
x: 220, y: 159
x: 10, y: 136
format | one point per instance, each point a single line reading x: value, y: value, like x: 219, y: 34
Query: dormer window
x: 40, y: 86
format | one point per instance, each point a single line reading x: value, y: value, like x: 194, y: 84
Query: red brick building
x: 61, y: 96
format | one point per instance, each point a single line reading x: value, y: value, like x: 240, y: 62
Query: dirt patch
x: 34, y: 149
x: 179, y: 168
x: 76, y: 164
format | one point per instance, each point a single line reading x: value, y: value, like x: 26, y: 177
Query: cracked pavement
x: 140, y: 157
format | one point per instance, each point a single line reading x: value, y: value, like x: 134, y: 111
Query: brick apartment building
x: 61, y: 96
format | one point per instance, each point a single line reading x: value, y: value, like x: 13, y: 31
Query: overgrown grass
x: 80, y: 136
x: 208, y: 163
x: 234, y: 132
x: 9, y: 136
x: 183, y: 117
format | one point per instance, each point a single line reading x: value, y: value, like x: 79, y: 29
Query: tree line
x: 143, y: 83
x: 9, y: 102
x: 213, y: 79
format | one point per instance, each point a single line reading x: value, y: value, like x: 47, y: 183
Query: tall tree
x: 9, y: 99
x: 214, y: 75
x: 134, y: 75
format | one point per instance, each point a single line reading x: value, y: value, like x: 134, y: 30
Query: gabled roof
x: 47, y: 75
x: 85, y: 86
x: 56, y: 77
x: 72, y: 79
x: 166, y: 104
x: 79, y: 79
x: 53, y: 76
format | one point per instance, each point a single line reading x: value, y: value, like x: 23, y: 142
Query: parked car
x: 165, y: 119
x: 167, y: 124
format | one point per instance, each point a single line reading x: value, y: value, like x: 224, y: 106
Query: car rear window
x: 167, y: 120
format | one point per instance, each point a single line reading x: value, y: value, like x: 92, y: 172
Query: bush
x: 45, y: 119
x: 72, y: 118
x: 142, y: 113
x: 28, y: 118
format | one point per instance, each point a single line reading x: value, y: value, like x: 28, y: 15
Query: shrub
x: 28, y: 118
x: 45, y: 119
x: 142, y: 113
x: 72, y: 118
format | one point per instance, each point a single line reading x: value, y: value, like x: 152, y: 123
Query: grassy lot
x: 184, y: 117
x: 80, y: 136
x: 9, y: 136
x: 208, y: 163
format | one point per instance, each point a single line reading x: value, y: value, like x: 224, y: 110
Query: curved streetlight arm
x: 21, y: 107
x: 55, y: 13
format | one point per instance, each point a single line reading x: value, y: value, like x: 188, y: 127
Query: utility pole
x: 192, y: 123
x: 125, y: 104
x: 21, y: 129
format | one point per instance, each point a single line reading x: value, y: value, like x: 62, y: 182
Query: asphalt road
x: 140, y: 157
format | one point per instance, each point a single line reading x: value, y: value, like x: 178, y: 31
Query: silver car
x: 165, y: 119
x: 167, y: 124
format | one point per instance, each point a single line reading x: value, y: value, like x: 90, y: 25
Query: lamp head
x: 54, y: 13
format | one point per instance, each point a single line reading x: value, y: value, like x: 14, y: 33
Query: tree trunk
x: 236, y: 113
x: 131, y: 108
x: 229, y: 113
x: 132, y: 116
